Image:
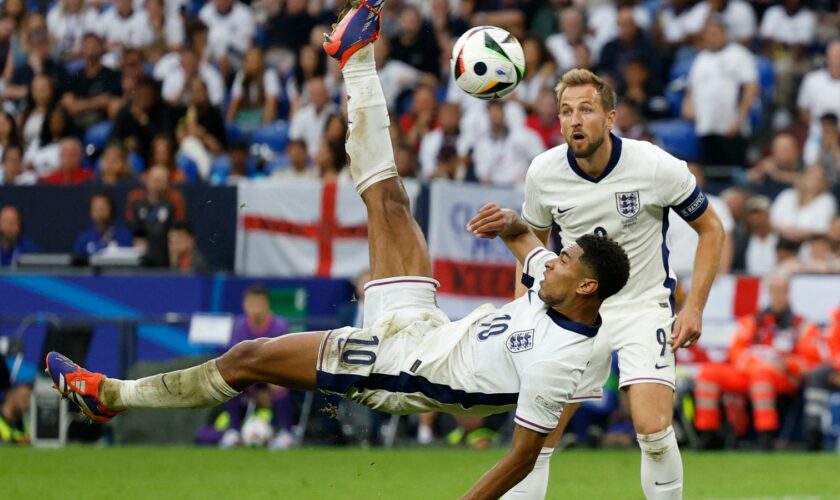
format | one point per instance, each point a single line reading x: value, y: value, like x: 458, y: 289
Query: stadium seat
x: 767, y: 91
x: 137, y: 162
x: 189, y: 167
x: 678, y: 138
x: 97, y: 137
x: 270, y: 140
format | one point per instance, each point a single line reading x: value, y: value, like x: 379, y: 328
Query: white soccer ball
x: 256, y: 432
x: 487, y: 62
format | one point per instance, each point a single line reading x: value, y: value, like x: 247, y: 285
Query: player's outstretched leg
x: 397, y: 246
x: 289, y: 361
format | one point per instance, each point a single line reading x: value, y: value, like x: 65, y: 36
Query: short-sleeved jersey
x: 629, y: 202
x: 524, y: 355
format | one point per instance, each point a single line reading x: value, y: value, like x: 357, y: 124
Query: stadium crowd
x: 163, y: 93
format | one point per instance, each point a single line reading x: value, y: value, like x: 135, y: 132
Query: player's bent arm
x: 707, y: 262
x: 492, y: 221
x: 542, y: 235
x: 513, y: 468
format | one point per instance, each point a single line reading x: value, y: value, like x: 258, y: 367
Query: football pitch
x: 185, y: 473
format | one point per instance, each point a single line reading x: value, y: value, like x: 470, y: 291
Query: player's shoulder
x: 549, y: 162
x: 642, y: 151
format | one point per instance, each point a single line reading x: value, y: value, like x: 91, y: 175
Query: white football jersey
x: 523, y: 355
x: 629, y: 202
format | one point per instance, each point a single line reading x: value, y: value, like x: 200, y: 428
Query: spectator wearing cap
x: 70, y: 170
x: 805, y: 210
x: 722, y: 85
x: 819, y: 94
x: 184, y: 257
x: 90, y: 90
x: 231, y: 24
x: 780, y: 169
x: 755, y: 249
x: 151, y: 211
x: 142, y: 117
x: 13, y: 243
x: 104, y: 232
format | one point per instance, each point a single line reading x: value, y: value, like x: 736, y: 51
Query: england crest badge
x: 627, y: 203
x: 520, y: 341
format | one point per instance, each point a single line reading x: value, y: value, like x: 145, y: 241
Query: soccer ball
x: 256, y: 432
x: 487, y: 62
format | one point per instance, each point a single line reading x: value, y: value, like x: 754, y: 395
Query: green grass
x: 184, y: 473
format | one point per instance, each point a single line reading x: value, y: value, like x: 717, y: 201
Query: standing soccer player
x: 529, y: 354
x: 601, y: 184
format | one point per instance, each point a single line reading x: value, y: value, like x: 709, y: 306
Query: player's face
x: 583, y: 120
x: 563, y: 276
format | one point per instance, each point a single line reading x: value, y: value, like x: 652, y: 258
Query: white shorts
x: 639, y: 333
x: 398, y: 315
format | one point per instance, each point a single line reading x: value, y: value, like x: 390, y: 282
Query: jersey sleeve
x: 534, y: 266
x: 544, y: 391
x: 676, y: 187
x: 534, y: 212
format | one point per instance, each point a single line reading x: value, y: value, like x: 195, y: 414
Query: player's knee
x: 242, y: 356
x: 653, y: 425
x: 657, y: 444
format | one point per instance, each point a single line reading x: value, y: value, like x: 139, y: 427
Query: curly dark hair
x: 608, y: 261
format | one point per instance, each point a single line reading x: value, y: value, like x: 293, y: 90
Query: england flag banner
x: 303, y: 228
x: 471, y: 271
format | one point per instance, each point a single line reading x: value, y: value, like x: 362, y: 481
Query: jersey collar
x: 614, y: 157
x: 564, y: 322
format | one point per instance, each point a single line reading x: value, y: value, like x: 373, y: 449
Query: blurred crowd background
x: 161, y: 96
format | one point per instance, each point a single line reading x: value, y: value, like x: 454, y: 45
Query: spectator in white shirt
x: 67, y: 21
x: 755, y: 249
x: 819, y: 94
x: 805, y: 210
x: 572, y: 32
x: 255, y: 93
x: 502, y: 156
x: 737, y: 15
x: 124, y: 26
x: 673, y: 26
x: 299, y: 165
x: 167, y: 27
x: 721, y: 73
x: 447, y: 133
x: 175, y: 89
x: 308, y: 123
x: 232, y: 27
x: 791, y: 24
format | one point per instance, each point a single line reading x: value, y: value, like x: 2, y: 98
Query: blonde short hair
x: 578, y: 77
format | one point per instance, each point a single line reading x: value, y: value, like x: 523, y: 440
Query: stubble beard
x: 585, y: 151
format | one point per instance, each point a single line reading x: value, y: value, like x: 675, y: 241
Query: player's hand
x: 687, y: 328
x: 489, y: 222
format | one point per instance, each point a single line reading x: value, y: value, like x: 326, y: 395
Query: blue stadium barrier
x: 678, y: 138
